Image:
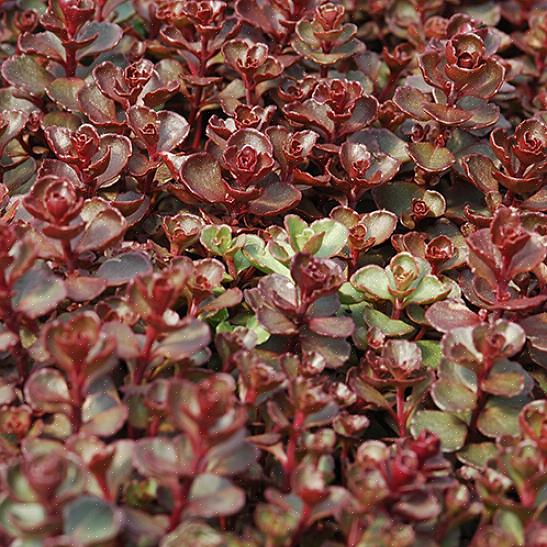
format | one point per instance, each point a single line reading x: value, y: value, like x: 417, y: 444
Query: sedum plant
x: 273, y: 273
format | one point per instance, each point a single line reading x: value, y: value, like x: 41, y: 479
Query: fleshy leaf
x: 431, y: 158
x: 336, y: 327
x: 45, y: 44
x: 213, y: 496
x: 25, y: 72
x: 412, y: 101
x: 103, y: 227
x: 185, y: 342
x: 369, y: 394
x: 46, y: 390
x: 500, y: 417
x: 505, y: 379
x: 336, y: 351
x: 201, y: 174
x: 90, y: 520
x: 455, y: 390
x: 193, y: 532
x: 38, y: 292
x: 163, y: 458
x: 477, y: 454
x: 64, y: 91
x: 173, y: 130
x: 100, y: 109
x: 389, y: 327
x: 447, y: 115
x: 123, y: 268
x: 104, y: 37
x: 103, y: 414
x: 450, y: 314
x: 373, y: 281
x: 276, y: 197
x: 449, y: 428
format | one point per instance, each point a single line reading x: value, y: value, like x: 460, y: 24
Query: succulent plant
x: 273, y: 273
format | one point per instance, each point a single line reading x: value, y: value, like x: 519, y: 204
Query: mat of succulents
x: 273, y: 273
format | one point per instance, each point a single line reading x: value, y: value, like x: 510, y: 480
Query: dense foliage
x: 272, y: 273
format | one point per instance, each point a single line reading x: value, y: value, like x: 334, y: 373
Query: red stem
x: 181, y: 495
x: 354, y: 534
x: 302, y: 525
x: 290, y: 463
x: 401, y: 414
x: 144, y: 357
x: 77, y: 400
x: 354, y: 258
x: 18, y: 354
x: 71, y: 63
x: 231, y: 266
x: 481, y: 396
x: 100, y: 7
x: 387, y: 91
x: 396, y: 311
x: 17, y: 351
x: 198, y: 131
x: 154, y: 426
x: 101, y: 481
x: 420, y: 333
x: 69, y: 256
x: 249, y: 91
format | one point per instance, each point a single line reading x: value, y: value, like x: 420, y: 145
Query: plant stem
x: 387, y: 91
x: 231, y: 266
x: 144, y: 357
x: 180, y: 494
x: 71, y: 63
x: 396, y: 310
x: 302, y: 525
x: 18, y: 354
x: 77, y: 401
x: 17, y: 351
x: 481, y: 397
x: 290, y: 463
x: 180, y: 497
x: 354, y: 532
x: 401, y: 414
x: 250, y: 97
x: 69, y: 256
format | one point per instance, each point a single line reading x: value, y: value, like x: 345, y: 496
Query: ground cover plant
x: 272, y: 273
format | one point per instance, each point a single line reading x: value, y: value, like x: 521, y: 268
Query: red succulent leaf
x: 159, y: 131
x: 201, y: 175
x: 53, y: 200
x: 248, y: 156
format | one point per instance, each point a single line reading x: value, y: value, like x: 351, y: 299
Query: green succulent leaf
x: 449, y: 428
x: 429, y: 290
x: 373, y: 281
x: 505, y: 379
x: 455, y: 390
x: 389, y: 327
x: 217, y: 239
x: 369, y: 394
x: 91, y: 521
x: 477, y: 454
x: 500, y: 417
